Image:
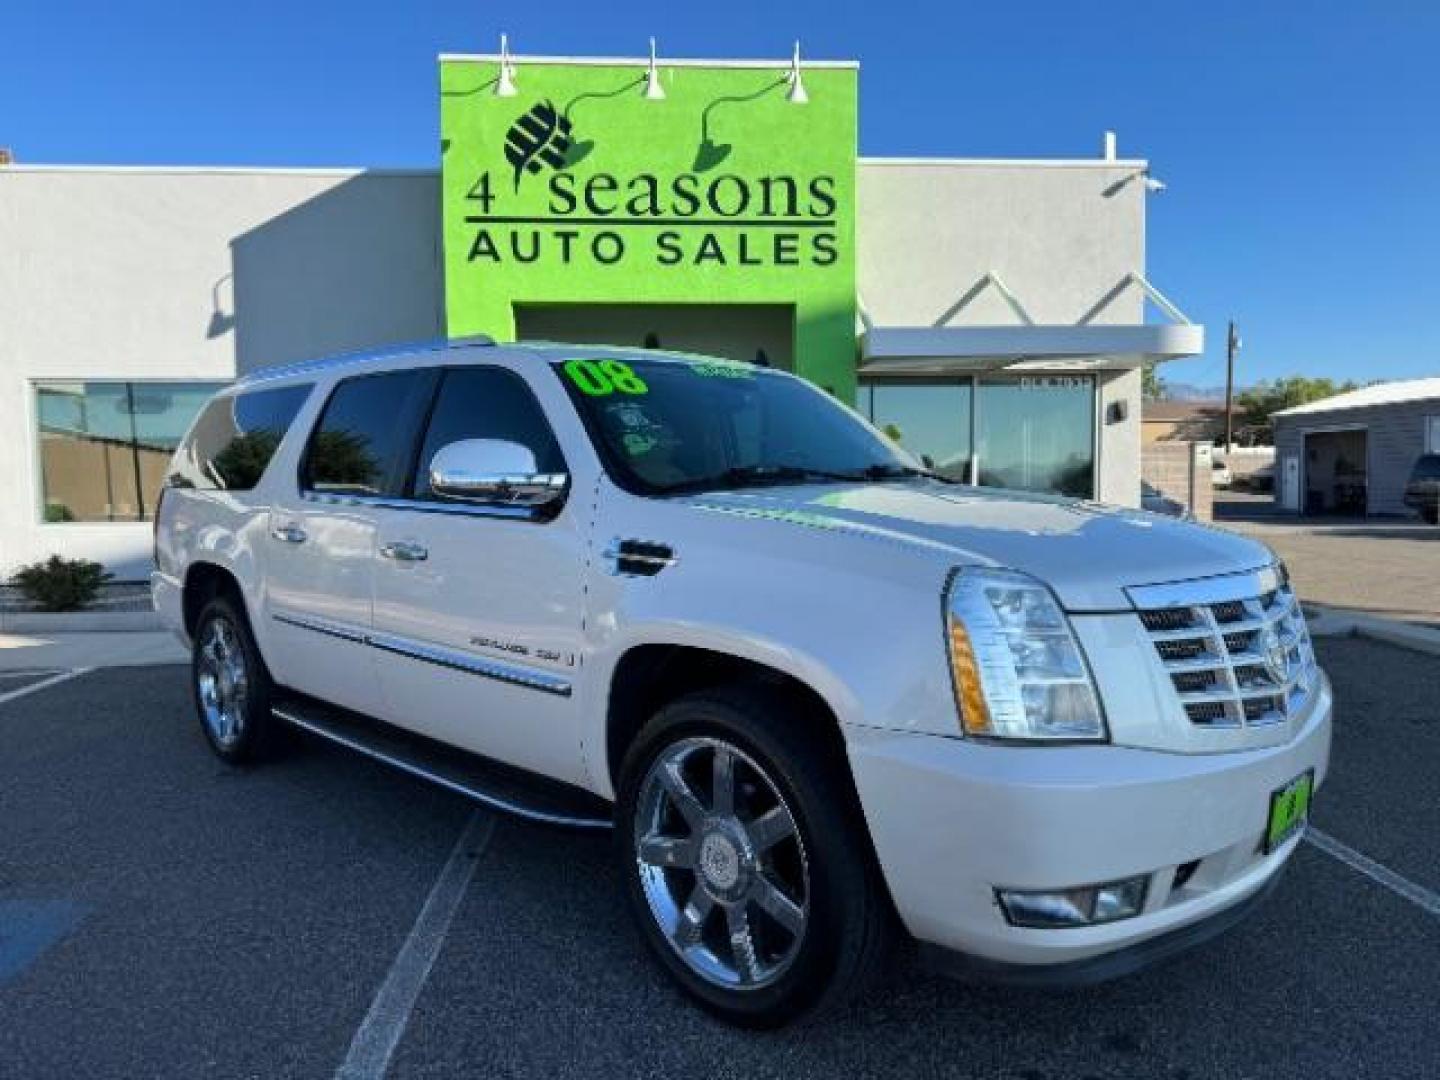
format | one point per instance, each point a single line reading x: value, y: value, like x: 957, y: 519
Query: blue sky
x: 1300, y: 142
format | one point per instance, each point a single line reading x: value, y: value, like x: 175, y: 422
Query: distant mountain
x: 1179, y: 391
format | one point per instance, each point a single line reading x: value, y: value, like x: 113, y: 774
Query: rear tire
x: 231, y: 685
x: 1432, y: 515
x: 765, y: 904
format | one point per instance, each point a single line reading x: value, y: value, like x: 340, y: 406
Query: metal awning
x: 992, y: 348
x: 1081, y: 346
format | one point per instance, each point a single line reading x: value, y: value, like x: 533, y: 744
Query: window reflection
x: 104, y: 446
x: 931, y: 420
x: 1037, y: 433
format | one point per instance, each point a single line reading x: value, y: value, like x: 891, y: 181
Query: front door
x: 478, y: 609
x: 1290, y: 482
x: 320, y: 541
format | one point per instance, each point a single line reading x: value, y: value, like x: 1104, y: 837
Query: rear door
x: 320, y: 543
x: 478, y: 609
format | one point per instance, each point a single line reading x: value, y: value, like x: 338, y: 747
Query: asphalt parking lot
x: 163, y: 915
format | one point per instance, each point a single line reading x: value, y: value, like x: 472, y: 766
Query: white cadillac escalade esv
x: 820, y: 693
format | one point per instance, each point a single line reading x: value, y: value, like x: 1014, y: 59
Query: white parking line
x: 53, y: 680
x: 1418, y: 895
x: 379, y: 1033
x: 28, y: 673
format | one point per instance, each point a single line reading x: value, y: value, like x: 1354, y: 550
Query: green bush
x: 61, y: 584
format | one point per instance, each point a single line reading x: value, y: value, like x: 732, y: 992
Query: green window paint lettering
x: 604, y: 378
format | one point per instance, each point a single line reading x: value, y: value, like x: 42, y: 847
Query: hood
x: 1088, y: 553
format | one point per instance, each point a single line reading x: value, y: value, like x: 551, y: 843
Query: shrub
x: 61, y: 584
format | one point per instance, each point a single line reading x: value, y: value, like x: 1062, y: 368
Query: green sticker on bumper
x: 1289, y: 810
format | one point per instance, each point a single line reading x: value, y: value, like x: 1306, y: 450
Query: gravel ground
x: 1387, y: 567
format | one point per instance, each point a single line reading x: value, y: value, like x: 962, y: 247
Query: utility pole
x: 1232, y: 346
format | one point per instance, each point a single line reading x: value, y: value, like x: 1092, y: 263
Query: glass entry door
x: 1037, y: 433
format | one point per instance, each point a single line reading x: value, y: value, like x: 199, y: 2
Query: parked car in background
x: 1262, y: 478
x: 1157, y: 502
x: 694, y: 600
x: 1219, y: 474
x: 1422, y: 493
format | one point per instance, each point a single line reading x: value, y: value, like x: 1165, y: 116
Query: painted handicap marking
x: 29, y: 927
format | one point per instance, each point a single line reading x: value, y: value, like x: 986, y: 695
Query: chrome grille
x: 1234, y: 660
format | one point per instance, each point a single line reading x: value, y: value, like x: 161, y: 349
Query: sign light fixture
x: 796, y: 95
x: 653, y: 90
x: 505, y: 84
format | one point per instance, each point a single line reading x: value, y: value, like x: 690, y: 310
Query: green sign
x: 581, y: 190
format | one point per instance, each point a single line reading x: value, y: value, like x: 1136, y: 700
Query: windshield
x: 672, y: 426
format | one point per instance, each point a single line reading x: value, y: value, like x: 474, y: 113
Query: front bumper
x: 953, y: 820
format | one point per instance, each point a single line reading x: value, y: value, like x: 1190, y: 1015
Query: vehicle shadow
x: 544, y: 974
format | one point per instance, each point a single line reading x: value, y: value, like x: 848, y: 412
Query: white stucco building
x: 1001, y: 319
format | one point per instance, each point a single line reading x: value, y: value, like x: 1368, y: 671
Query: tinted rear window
x: 1427, y: 468
x: 235, y: 437
x: 361, y: 445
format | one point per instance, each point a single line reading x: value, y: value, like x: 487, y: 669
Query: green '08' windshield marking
x: 604, y: 377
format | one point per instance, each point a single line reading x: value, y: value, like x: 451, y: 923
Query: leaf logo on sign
x: 540, y: 137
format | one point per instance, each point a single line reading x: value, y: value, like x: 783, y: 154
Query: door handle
x: 404, y: 551
x: 291, y: 534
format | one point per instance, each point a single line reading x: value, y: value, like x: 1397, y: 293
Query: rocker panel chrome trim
x: 514, y: 674
x: 530, y: 678
x: 321, y: 626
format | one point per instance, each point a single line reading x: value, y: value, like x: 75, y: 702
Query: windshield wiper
x: 900, y: 472
x: 742, y: 476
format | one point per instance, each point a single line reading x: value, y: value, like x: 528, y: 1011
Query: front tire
x: 746, y: 860
x: 231, y: 684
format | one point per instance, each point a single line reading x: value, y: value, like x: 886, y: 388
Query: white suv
x: 820, y: 693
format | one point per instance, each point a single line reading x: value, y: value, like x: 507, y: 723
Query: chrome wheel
x: 722, y: 863
x: 223, y: 682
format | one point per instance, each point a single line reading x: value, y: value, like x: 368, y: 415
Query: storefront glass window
x: 929, y: 419
x: 104, y: 446
x: 1037, y: 433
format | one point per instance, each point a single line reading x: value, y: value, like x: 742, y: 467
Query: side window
x: 235, y: 437
x: 357, y: 447
x: 486, y: 403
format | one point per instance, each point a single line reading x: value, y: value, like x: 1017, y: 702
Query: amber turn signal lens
x: 969, y: 694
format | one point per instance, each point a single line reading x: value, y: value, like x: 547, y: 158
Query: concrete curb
x: 77, y: 622
x: 1338, y: 622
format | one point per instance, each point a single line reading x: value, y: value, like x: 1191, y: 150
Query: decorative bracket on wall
x: 989, y: 279
x: 1155, y: 296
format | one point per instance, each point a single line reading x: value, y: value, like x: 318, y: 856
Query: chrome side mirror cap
x: 493, y: 472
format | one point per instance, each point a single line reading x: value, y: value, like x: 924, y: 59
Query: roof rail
x: 325, y: 363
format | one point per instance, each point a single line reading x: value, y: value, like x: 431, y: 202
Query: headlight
x: 1019, y: 672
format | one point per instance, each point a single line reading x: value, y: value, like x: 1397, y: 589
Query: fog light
x: 1084, y: 906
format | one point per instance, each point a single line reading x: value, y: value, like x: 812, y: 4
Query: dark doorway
x: 1336, y: 474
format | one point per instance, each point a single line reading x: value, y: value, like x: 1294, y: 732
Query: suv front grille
x: 1234, y: 662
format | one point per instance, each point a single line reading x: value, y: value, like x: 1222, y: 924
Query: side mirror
x: 493, y: 472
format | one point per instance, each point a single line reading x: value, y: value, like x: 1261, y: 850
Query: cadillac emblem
x: 1273, y: 654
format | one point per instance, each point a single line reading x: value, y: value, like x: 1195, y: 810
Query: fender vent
x: 638, y: 558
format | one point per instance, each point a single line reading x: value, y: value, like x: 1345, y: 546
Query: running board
x: 490, y: 783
